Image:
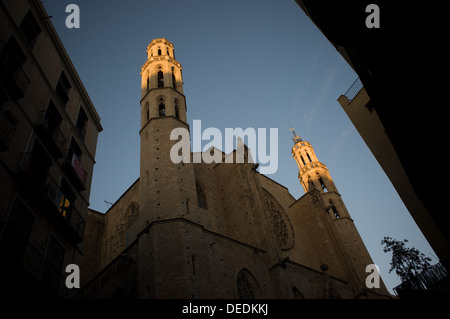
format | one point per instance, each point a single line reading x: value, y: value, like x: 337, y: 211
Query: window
x: 160, y: 78
x: 335, y: 212
x: 159, y: 51
x: 148, y: 83
x: 147, y: 111
x: 302, y: 160
x: 62, y: 88
x: 177, y: 109
x: 168, y: 51
x: 162, y: 108
x: 82, y: 123
x: 67, y: 199
x: 174, y: 81
x: 74, y: 154
x: 51, y: 272
x: 321, y: 182
x: 14, y: 240
x: 201, y: 197
x: 247, y: 286
x: 310, y: 160
x: 15, y: 80
x: 12, y: 56
x: 30, y: 29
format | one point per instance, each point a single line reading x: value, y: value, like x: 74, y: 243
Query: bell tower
x: 162, y: 84
x: 316, y: 180
x: 167, y: 189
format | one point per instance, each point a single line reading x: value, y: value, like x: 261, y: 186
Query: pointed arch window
x: 147, y: 111
x: 177, y: 109
x: 162, y: 107
x: 159, y: 51
x: 321, y: 182
x: 160, y: 78
x: 201, y: 197
x: 303, y: 160
x: 246, y: 285
x: 335, y: 212
x: 174, y: 81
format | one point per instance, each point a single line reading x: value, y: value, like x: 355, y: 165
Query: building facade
x: 382, y: 113
x: 218, y: 230
x: 48, y: 138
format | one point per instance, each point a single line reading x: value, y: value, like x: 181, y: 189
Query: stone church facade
x: 219, y: 230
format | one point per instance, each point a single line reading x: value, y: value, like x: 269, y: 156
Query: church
x: 219, y: 230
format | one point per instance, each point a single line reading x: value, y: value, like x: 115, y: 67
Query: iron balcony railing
x: 354, y: 89
x: 70, y: 214
x: 29, y: 260
x: 75, y: 171
x: 68, y: 217
x: 434, y: 279
x: 51, y: 135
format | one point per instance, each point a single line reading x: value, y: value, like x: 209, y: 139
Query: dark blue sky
x: 248, y: 63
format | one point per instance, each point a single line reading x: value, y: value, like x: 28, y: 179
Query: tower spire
x: 296, y: 138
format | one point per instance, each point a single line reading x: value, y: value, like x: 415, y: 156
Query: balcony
x: 27, y: 267
x: 50, y: 199
x: 432, y: 282
x: 12, y: 76
x: 353, y: 90
x: 7, y: 130
x: 51, y: 135
x: 74, y: 171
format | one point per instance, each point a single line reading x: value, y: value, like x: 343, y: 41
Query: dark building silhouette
x: 399, y: 65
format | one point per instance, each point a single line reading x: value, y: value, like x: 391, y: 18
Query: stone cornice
x: 161, y: 58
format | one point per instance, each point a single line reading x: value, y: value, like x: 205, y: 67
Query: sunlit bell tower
x: 316, y: 180
x: 312, y: 173
x: 167, y: 189
x: 162, y: 83
x: 314, y: 176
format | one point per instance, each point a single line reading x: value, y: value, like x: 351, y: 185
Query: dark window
x: 147, y: 111
x: 159, y: 51
x: 335, y: 212
x: 302, y: 160
x: 74, y: 150
x: 30, y: 29
x: 174, y: 81
x: 168, y: 51
x: 148, y: 83
x: 15, y: 80
x: 201, y: 197
x: 11, y: 55
x: 177, y: 109
x: 322, y: 184
x: 67, y: 200
x: 162, y: 108
x: 14, y: 241
x: 82, y: 122
x: 36, y: 164
x: 310, y: 160
x: 160, y: 79
x: 62, y: 88
x: 7, y: 129
x: 51, y: 272
x: 52, y: 118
